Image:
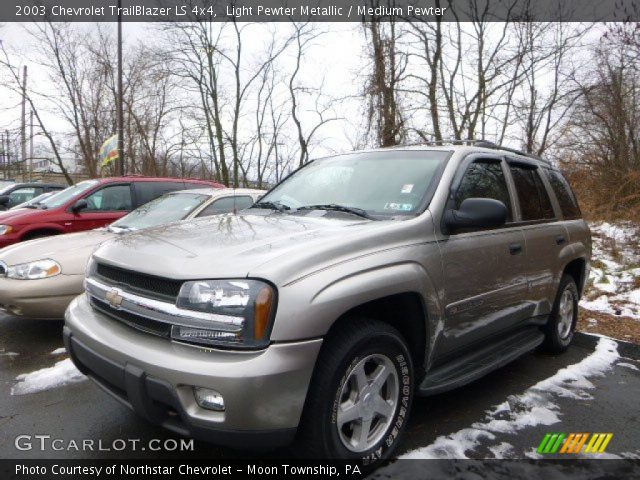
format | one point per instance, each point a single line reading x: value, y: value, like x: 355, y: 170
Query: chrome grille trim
x: 162, y: 311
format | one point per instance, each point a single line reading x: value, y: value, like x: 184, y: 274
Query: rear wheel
x: 562, y: 322
x: 360, y: 394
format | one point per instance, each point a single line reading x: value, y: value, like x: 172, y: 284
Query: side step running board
x: 478, y: 363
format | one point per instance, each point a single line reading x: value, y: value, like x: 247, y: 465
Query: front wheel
x: 562, y: 322
x: 360, y: 394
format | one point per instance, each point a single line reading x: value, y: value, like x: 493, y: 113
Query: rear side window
x: 534, y: 199
x: 484, y: 179
x: 147, y: 191
x: 564, y: 194
x: 226, y: 205
x: 113, y: 198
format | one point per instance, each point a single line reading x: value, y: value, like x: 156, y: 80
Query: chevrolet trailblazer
x: 358, y: 281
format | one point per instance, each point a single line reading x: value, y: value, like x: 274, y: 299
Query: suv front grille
x: 135, y: 321
x: 146, y: 285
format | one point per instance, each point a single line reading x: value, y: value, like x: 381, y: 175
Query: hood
x: 71, y: 251
x: 20, y: 216
x: 235, y: 246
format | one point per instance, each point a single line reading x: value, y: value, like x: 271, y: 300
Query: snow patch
x: 634, y: 296
x: 59, y: 351
x: 62, y: 373
x: 605, y: 304
x: 614, y: 232
x: 504, y: 450
x: 615, y: 249
x: 533, y: 407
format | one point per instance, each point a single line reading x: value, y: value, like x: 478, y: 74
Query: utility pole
x: 31, y: 145
x: 8, y: 140
x: 23, y: 119
x: 120, y: 95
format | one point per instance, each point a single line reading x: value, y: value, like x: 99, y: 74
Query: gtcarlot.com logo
x: 48, y: 443
x: 574, y: 443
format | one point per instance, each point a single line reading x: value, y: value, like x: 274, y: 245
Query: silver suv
x: 358, y: 281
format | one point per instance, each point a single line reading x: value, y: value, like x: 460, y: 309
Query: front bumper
x: 264, y: 391
x: 45, y: 298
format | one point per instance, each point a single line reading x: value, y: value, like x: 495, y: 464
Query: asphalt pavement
x: 81, y: 412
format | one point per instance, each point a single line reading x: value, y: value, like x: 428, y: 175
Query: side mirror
x: 4, y: 200
x: 477, y: 213
x: 79, y: 205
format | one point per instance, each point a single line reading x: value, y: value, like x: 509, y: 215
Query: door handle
x: 515, y: 248
x: 560, y: 239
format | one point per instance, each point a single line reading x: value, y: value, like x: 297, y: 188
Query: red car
x: 87, y: 205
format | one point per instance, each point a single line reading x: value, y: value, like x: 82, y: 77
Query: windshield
x: 165, y: 209
x: 379, y: 183
x: 60, y: 198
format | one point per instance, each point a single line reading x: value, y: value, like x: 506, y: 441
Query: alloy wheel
x: 368, y: 402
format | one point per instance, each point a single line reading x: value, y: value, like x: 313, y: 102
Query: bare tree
x: 549, y: 67
x: 15, y: 86
x: 385, y: 117
x: 602, y: 139
x: 208, y: 54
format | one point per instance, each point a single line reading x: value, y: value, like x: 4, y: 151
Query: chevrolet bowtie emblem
x: 114, y: 298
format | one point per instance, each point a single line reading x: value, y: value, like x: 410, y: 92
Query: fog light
x: 209, y: 399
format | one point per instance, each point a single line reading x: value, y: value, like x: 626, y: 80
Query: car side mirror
x: 477, y: 213
x: 4, y: 200
x: 79, y: 205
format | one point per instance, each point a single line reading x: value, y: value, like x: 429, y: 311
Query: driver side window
x: 484, y: 179
x: 114, y: 198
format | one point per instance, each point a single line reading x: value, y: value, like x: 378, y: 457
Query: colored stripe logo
x: 574, y: 443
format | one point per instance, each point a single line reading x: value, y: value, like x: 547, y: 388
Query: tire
x: 562, y: 322
x: 338, y: 391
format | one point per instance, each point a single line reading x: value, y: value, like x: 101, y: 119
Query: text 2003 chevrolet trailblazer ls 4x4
x: 358, y: 281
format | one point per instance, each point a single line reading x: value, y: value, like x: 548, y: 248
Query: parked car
x: 358, y: 281
x: 16, y: 193
x: 39, y: 278
x: 87, y: 205
x: 33, y: 201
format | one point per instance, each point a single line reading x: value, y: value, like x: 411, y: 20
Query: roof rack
x: 479, y: 142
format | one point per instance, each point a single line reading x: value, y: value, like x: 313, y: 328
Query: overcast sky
x: 335, y: 57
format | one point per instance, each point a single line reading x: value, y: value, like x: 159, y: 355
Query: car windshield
x: 385, y: 184
x: 62, y: 197
x: 165, y: 209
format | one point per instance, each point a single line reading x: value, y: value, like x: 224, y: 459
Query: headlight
x: 244, y: 310
x: 4, y: 229
x: 34, y: 270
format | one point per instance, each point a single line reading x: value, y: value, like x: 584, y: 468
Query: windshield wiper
x: 280, y: 207
x: 339, y: 208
